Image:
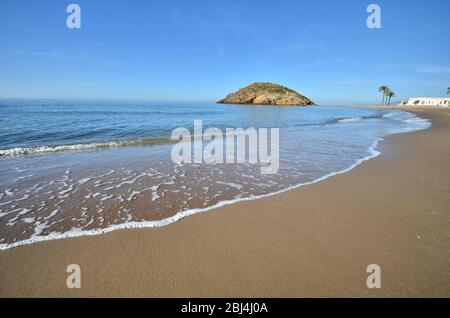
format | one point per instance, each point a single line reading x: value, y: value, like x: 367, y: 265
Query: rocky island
x: 266, y: 94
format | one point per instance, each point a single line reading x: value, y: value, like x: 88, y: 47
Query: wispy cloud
x: 220, y: 52
x: 434, y: 69
x: 424, y: 68
x: 84, y: 57
x: 327, y: 62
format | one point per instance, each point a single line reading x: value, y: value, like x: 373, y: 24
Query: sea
x: 72, y: 168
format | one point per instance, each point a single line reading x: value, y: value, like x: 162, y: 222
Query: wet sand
x: 393, y: 211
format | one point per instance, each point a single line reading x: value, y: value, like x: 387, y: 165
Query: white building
x: 427, y: 101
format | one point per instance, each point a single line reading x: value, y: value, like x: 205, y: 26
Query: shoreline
x: 412, y: 109
x: 145, y: 214
x: 183, y: 214
x: 225, y: 223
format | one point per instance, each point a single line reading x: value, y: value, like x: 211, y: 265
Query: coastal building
x: 427, y: 101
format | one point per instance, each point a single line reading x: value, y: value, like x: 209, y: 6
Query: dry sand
x: 318, y: 240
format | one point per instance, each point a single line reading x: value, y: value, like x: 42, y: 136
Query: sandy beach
x: 315, y: 241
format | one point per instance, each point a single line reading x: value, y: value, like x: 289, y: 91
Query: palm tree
x: 383, y: 89
x: 390, y: 94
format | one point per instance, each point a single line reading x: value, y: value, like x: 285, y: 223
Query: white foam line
x: 230, y: 184
x: 349, y: 120
x: 181, y: 215
x: 19, y: 151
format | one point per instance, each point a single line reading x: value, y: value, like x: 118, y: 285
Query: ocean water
x: 71, y: 168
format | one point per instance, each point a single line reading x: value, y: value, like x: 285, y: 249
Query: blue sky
x: 203, y: 49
